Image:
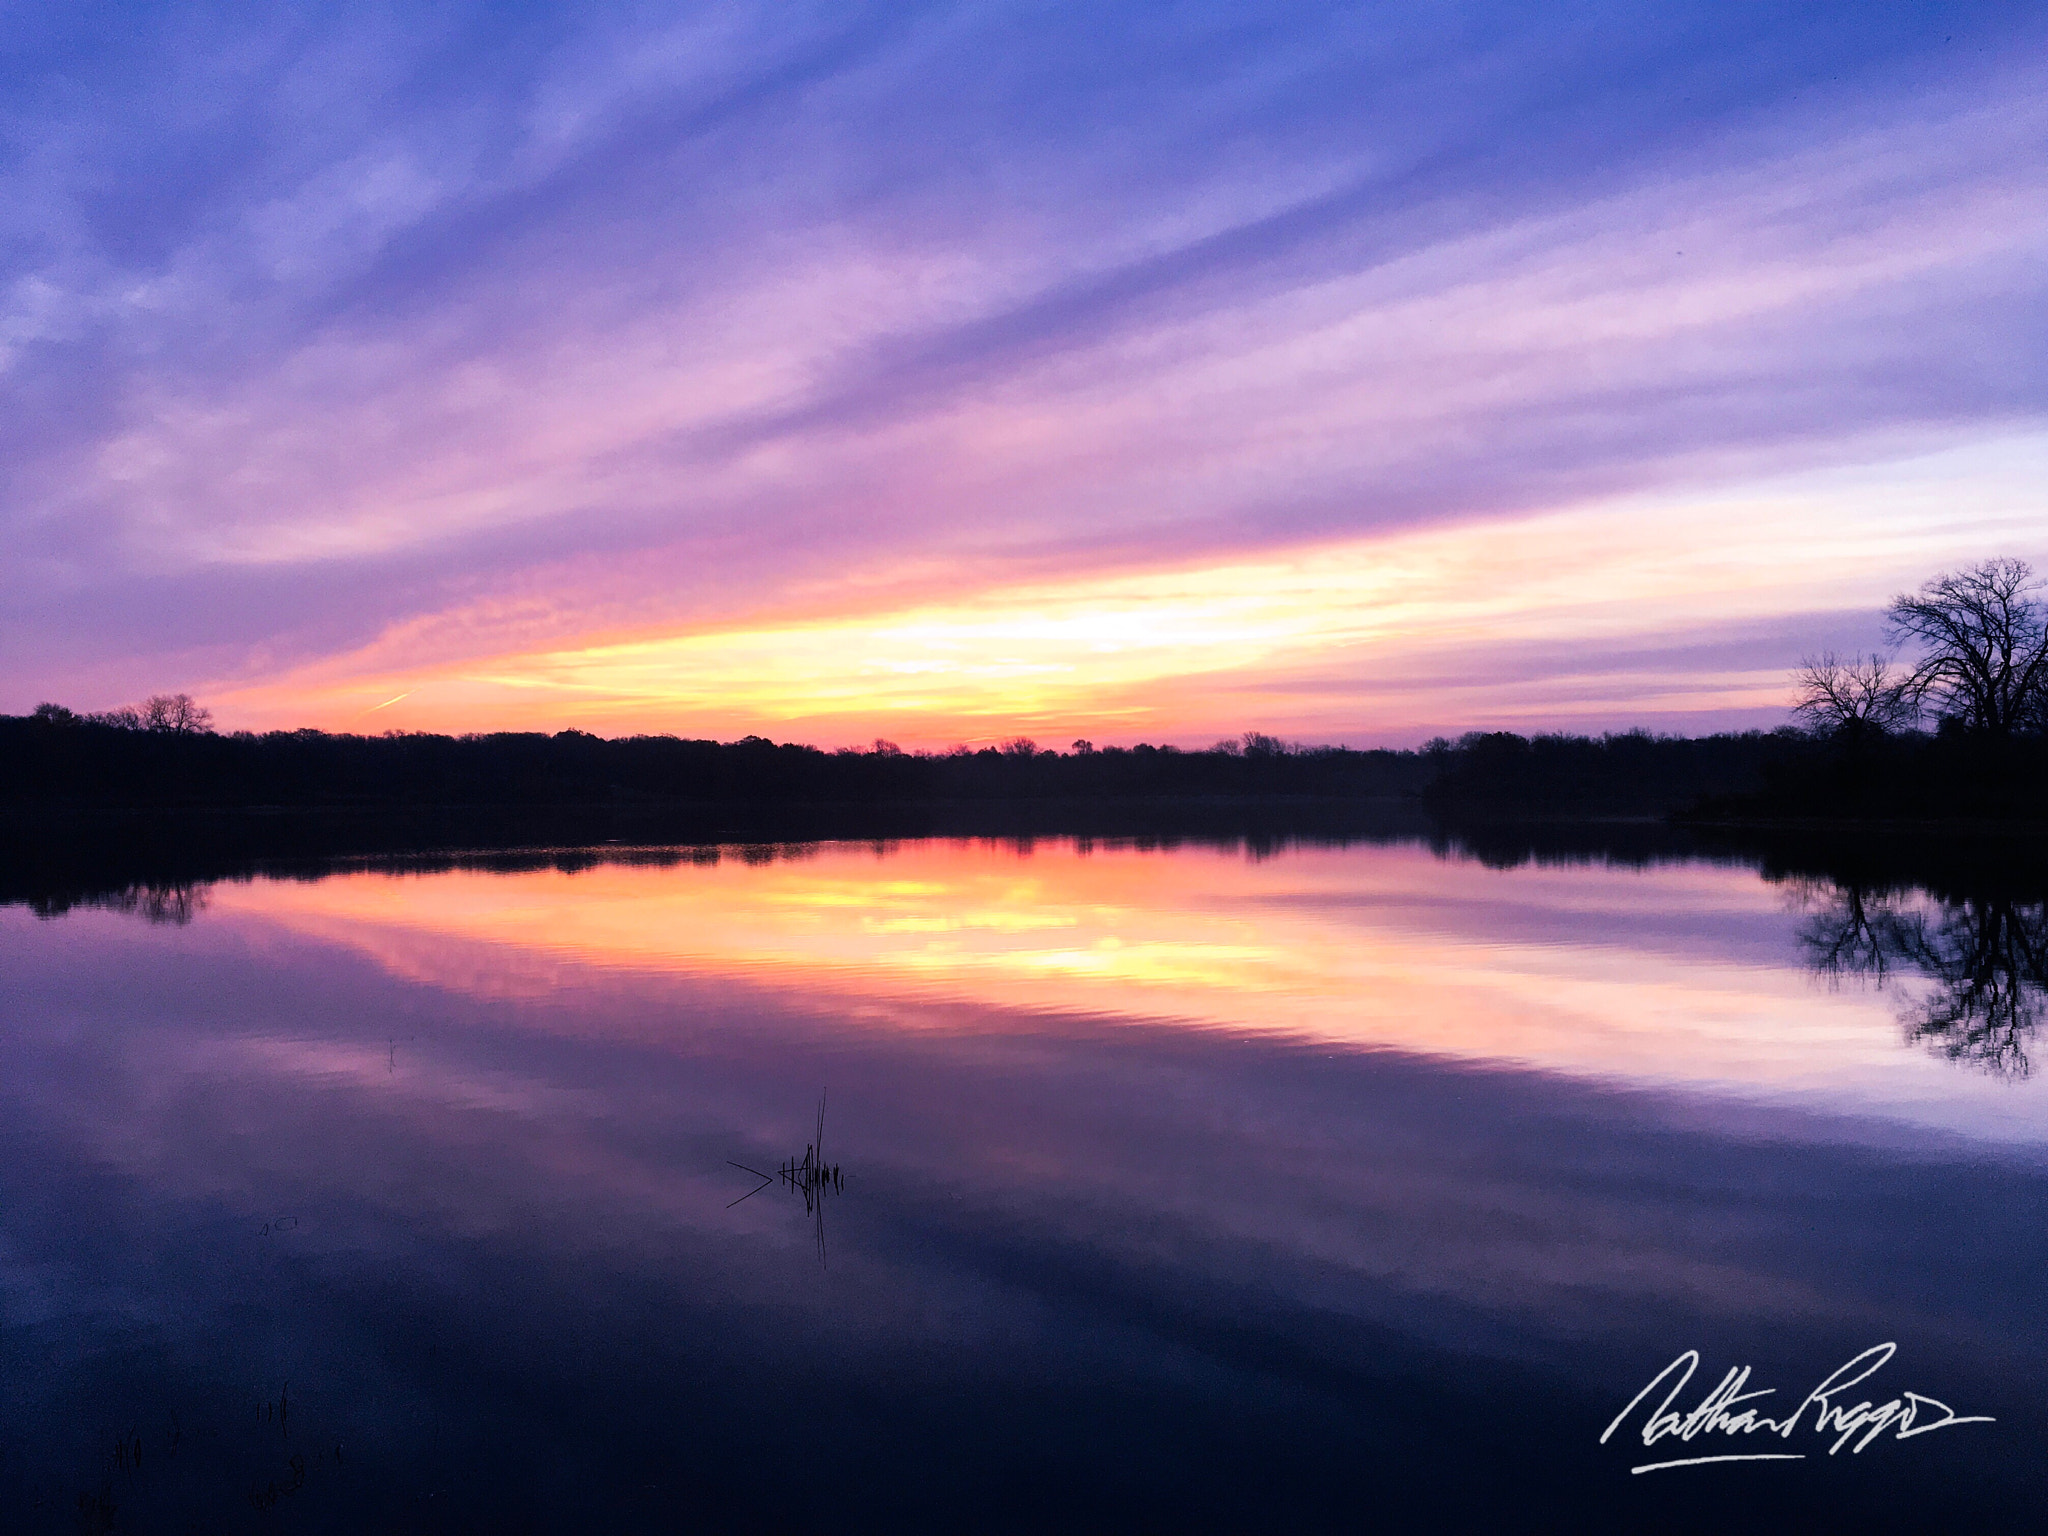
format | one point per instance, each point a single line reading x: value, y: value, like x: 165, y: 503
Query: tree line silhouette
x: 80, y: 764
x: 1953, y: 724
x: 55, y: 757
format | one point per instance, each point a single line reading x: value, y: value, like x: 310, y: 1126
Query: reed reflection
x: 811, y: 1177
x: 1986, y: 957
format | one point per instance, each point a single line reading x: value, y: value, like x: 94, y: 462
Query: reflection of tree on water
x: 1986, y: 957
x: 174, y: 904
x: 154, y: 902
x: 1991, y: 959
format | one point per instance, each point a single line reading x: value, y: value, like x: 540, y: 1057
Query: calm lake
x: 1192, y: 1188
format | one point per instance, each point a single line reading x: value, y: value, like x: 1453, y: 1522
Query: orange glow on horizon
x: 1365, y: 640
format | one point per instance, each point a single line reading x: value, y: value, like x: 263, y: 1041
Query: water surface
x: 1180, y: 1188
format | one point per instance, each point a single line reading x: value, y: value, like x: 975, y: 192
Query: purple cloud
x: 310, y: 332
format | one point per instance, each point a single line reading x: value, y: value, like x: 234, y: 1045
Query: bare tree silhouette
x: 1984, y: 632
x: 178, y: 713
x: 1857, y: 697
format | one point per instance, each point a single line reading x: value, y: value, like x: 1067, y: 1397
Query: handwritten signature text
x: 1908, y: 1414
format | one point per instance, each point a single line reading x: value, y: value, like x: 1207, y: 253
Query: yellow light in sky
x: 1384, y: 633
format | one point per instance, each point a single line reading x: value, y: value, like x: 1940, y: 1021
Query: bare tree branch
x: 1859, y: 696
x: 177, y: 713
x: 1983, y: 632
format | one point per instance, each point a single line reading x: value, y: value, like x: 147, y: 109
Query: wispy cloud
x: 1628, y: 610
x: 505, y: 337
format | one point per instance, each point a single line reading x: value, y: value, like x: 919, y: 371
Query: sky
x: 948, y: 372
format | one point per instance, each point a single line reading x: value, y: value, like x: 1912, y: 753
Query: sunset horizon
x: 831, y: 374
x: 1013, y: 767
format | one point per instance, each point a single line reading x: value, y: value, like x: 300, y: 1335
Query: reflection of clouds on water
x: 1984, y: 960
x: 1653, y: 973
x: 1249, y: 1232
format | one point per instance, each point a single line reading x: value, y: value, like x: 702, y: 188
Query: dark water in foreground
x: 1341, y: 1189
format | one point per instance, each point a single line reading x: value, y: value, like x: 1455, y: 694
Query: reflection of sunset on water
x: 1111, y: 1121
x: 1679, y: 974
